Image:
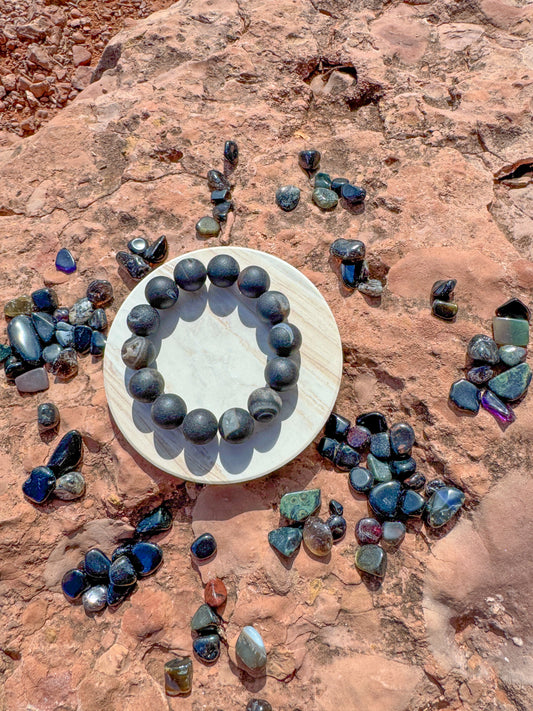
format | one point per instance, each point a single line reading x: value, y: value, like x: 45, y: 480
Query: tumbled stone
x: 371, y: 559
x: 481, y: 374
x: 353, y: 273
x: 493, y: 404
x: 21, y: 305
x: 61, y: 314
x: 39, y: 485
x: 204, y: 619
x: 65, y: 262
x: 24, y: 340
x: 373, y: 421
x: 309, y: 160
x: 217, y: 181
x: 325, y: 199
x: 512, y: 383
x: 65, y: 334
x: 178, y: 676
x: 95, y: 598
x: 337, y: 526
x: 361, y: 480
x: 70, y: 486
x: 74, y: 583
x: 98, y: 344
x: 285, y: 540
x: 14, y: 366
x: 337, y: 183
x: 45, y: 325
x: 258, y: 705
x: 298, y: 505
x: 393, y: 533
x: 207, y: 227
x: 100, y: 293
x: 221, y: 211
x: 510, y: 331
x: 288, y: 197
x: 368, y: 530
x: 51, y: 352
x: 146, y: 558
x: 80, y: 312
x: 122, y: 572
x: 514, y: 308
x: 512, y: 355
x: 97, y: 564
x: 323, y: 180
x: 123, y: 549
x: 65, y: 366
x: 402, y: 468
x: 483, y: 348
x: 433, y: 486
x: 250, y: 649
x: 98, y: 321
x: 346, y: 457
x: 384, y: 499
x: 327, y: 448
x: 402, y: 438
x: 33, y: 381
x: 82, y: 339
x: 134, y: 264
x: 337, y: 426
x: 317, y: 536
x: 138, y: 245
x: 116, y: 594
x: 443, y: 289
x: 207, y: 647
x: 215, y: 593
x: 352, y: 194
x: 157, y: 252
x: 203, y: 547
x: 412, y: 503
x: 380, y: 445
x: 416, y: 481
x: 358, y: 437
x: 45, y: 300
x: 68, y: 453
x: 159, y: 520
x: 47, y: 416
x: 5, y: 351
x: 465, y: 395
x: 380, y: 470
x: 349, y: 250
x: 446, y: 310
x: 443, y: 505
x: 231, y: 152
x: 370, y: 287
x: 218, y: 196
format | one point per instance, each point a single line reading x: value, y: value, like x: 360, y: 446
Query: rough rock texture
x: 421, y: 104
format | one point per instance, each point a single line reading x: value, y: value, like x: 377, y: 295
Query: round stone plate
x: 212, y: 351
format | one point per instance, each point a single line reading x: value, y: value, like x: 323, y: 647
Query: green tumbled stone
x: 371, y: 559
x: 513, y: 383
x: 298, y: 505
x: 443, y: 505
x: 510, y: 331
x: 323, y: 180
x: 207, y: 227
x: 446, y: 310
x: 512, y: 355
x: 204, y: 618
x: 379, y: 469
x: 178, y: 676
x: 20, y: 305
x: 286, y: 540
x: 325, y: 199
x: 5, y: 351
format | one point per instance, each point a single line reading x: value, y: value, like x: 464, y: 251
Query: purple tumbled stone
x: 358, y: 437
x: 496, y: 407
x: 65, y: 261
x: 368, y: 530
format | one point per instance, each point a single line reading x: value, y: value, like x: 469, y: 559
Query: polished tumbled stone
x: 433, y: 486
x: 74, y: 583
x: 217, y: 181
x: 97, y: 564
x: 258, y: 705
x: 14, y: 366
x: 352, y: 194
x: 68, y: 453
x: 510, y: 331
x: 370, y: 287
x: 207, y: 647
x: 412, y: 503
x: 204, y: 619
x: 337, y: 526
x: 513, y: 383
x: 157, y: 252
x: 327, y: 448
x: 481, y: 373
x: 21, y: 305
x: 512, y: 355
x: 359, y: 437
x: 33, y: 381
x: 384, y: 499
x: 353, y: 273
x: 134, y: 264
x: 65, y: 366
x: 51, y: 352
x: 285, y: 540
x: 361, y: 480
x: 47, y: 416
x: 98, y: 344
x: 203, y: 547
x: 337, y: 183
x: 402, y: 468
x: 446, y: 310
x: 39, y: 485
x: 178, y: 676
x: 146, y: 558
x: 443, y: 289
x: 346, y: 457
x: 309, y: 160
x: 45, y: 325
x: 371, y: 559
x: 337, y: 426
x: 324, y: 198
x: 80, y: 312
x: 368, y: 530
x: 483, y: 348
x: 514, y: 308
x: 402, y: 438
x: 288, y: 197
x: 393, y: 533
x: 443, y: 505
x: 82, y: 339
x: 349, y: 250
x: 65, y: 262
x: 221, y: 210
x: 465, y: 395
x: 231, y: 153
x: 317, y: 536
x: 70, y: 486
x: 497, y: 408
x: 381, y: 471
x: 373, y: 421
x: 116, y: 594
x: 207, y: 227
x: 250, y: 649
x: 24, y: 340
x: 323, y: 180
x: 100, y: 292
x: 416, y: 481
x: 95, y: 598
x: 298, y: 505
x: 5, y: 351
x: 215, y: 593
x: 138, y: 245
x: 122, y: 572
x: 98, y: 321
x: 380, y: 445
x: 159, y: 520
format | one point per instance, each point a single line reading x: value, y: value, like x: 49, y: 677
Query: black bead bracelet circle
x: 169, y: 410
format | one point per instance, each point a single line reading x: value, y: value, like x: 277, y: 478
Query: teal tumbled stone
x: 298, y: 505
x: 323, y: 180
x: 325, y: 199
x: 510, y: 331
x: 5, y: 351
x: 512, y: 383
x: 379, y: 469
x: 443, y: 505
x: 371, y: 559
x: 512, y: 355
x: 285, y: 540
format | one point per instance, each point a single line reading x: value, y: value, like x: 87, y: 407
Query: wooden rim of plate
x: 212, y: 345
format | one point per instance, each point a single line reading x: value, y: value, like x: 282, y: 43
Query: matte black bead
x: 337, y: 426
x: 200, y: 426
x: 97, y: 564
x: 45, y: 300
x: 336, y: 508
x: 190, y: 274
x: 443, y: 289
x: 337, y: 526
x: 253, y: 281
x: 137, y: 352
x: 402, y: 468
x: 273, y: 307
x: 45, y: 325
x: 82, y: 339
x: 231, y: 152
x: 349, y: 250
x: 204, y: 547
x: 221, y: 210
x: 352, y: 195
x: 157, y: 252
x: 285, y: 338
x: 168, y: 411
x: 47, y: 416
x: 281, y: 373
x: 327, y: 448
x: 373, y: 421
x: 236, y: 425
x: 161, y: 292
x: 361, y: 480
x: 134, y: 264
x: 223, y: 270
x: 68, y: 454
x: 146, y: 558
x: 74, y: 583
x: 309, y: 160
x: 146, y: 385
x: 143, y: 320
x: 346, y: 457
x: 514, y: 308
x: 157, y: 521
x: 138, y: 245
x: 39, y: 485
x: 217, y: 181
x: 264, y: 404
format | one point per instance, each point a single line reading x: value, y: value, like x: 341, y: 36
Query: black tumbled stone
x: 361, y: 480
x: 346, y: 457
x: 443, y: 289
x: 207, y: 647
x: 221, y: 210
x: 402, y: 468
x: 337, y: 426
x: 68, y: 454
x: 288, y: 197
x: 415, y: 481
x: 134, y: 264
x: 309, y: 160
x: 465, y: 395
x: 97, y: 564
x: 337, y: 526
x: 204, y: 547
x: 336, y: 508
x: 352, y: 194
x: 74, y: 583
x: 157, y: 252
x: 122, y: 572
x: 146, y: 557
x: 483, y: 348
x: 380, y: 445
x: 514, y: 308
x: 39, y: 485
x: 327, y: 448
x: 45, y: 300
x: 373, y: 421
x: 231, y: 152
x: 82, y: 339
x: 349, y: 250
x: 217, y: 181
x: 402, y: 438
x: 47, y: 416
x: 158, y: 520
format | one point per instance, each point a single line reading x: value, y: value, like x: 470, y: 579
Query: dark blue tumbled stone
x: 221, y: 210
x: 98, y: 344
x: 412, y: 503
x: 286, y: 540
x: 352, y: 194
x: 207, y: 647
x: 231, y: 152
x: 373, y: 421
x: 122, y: 572
x: 98, y: 320
x: 443, y: 289
x: 117, y: 594
x: 309, y: 160
x: 337, y: 526
x: 64, y: 334
x: 385, y: 499
x: 402, y: 438
x: 45, y: 325
x: 82, y: 339
x: 160, y: 519
x: 346, y: 457
x: 380, y: 445
x: 337, y: 426
x: 146, y: 558
x: 337, y: 183
x: 351, y: 274
x: 74, y: 583
x: 65, y: 261
x: 39, y: 485
x: 218, y: 196
x: 124, y: 549
x: 402, y: 468
x: 204, y: 547
x: 361, y: 480
x: 336, y: 508
x: 327, y: 448
x: 68, y: 454
x: 45, y: 300
x: 14, y: 366
x: 97, y: 564
x: 47, y: 416
x: 465, y: 395
x: 24, y: 339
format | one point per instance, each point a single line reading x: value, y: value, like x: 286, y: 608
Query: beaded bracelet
x: 168, y: 410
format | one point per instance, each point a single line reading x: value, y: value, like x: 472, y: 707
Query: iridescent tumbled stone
x: 443, y: 289
x: 223, y: 270
x: 24, y: 340
x: 358, y: 437
x: 361, y: 480
x: 373, y: 421
x: 264, y: 404
x: 368, y: 530
x: 380, y: 470
x: 384, y: 499
x: 21, y: 305
x: 215, y: 593
x: 493, y: 404
x: 70, y: 486
x: 190, y: 274
x: 95, y: 598
x: 200, y: 426
x: 349, y: 250
x: 146, y: 558
x: 465, y: 395
x: 446, y: 310
x: 143, y: 320
x: 65, y: 366
x: 510, y: 331
x: 204, y: 547
x: 380, y: 445
x: 288, y: 197
x: 39, y: 485
x: 337, y: 427
x: 281, y: 373
x: 47, y: 416
x: 483, y: 348
x: 98, y: 344
x: 253, y: 281
x: 80, y: 312
x: 337, y: 526
x: 352, y: 194
x: 346, y: 457
x: 317, y: 536
x: 146, y: 385
x: 296, y: 506
x: 236, y: 425
x: 65, y: 262
x: 45, y: 300
x: 371, y: 559
x: 512, y: 355
x: 480, y: 374
x: 273, y: 307
x: 122, y: 572
x: 512, y: 383
x: 116, y: 594
x: 402, y: 439
x: 325, y: 199
x: 443, y: 505
x: 286, y: 540
x: 309, y: 160
x: 157, y: 521
x: 68, y: 454
x: 168, y: 411
x: 207, y: 647
x: 178, y: 676
x: 207, y: 227
x: 250, y: 649
x: 514, y: 308
x: 157, y: 252
x: 100, y: 293
x: 74, y: 583
x: 353, y: 273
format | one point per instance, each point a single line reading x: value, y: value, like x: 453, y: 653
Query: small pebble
x: 82, y: 339
x: 218, y: 196
x: 323, y: 180
x: 337, y: 426
x: 359, y: 437
x: 221, y: 210
x: 512, y: 355
x: 384, y: 499
x: 510, y: 331
x: 336, y: 508
x: 135, y: 265
x: 217, y: 181
x: 309, y: 160
x: 349, y: 250
x: 14, y: 366
x: 122, y: 573
x: 97, y: 564
x: 207, y: 647
x: 70, y: 486
x: 393, y: 533
x: 207, y: 227
x: 465, y: 395
x: 402, y: 439
x: 74, y: 583
x: 215, y: 593
x: 346, y: 457
x: 47, y: 416
x: 33, y: 381
x: 412, y: 503
x: 361, y: 480
x: 61, y: 314
x: 481, y: 373
x: 337, y: 183
x: 371, y: 559
x: 145, y: 557
x: 281, y: 373
x: 352, y: 195
x: 380, y: 469
x: 5, y: 351
x: 353, y: 273
x: 21, y: 305
x: 250, y: 649
x: 402, y: 468
x: 116, y: 594
x: 443, y: 289
x: 45, y: 325
x: 433, y: 486
x: 373, y: 421
x: 286, y: 540
x: 327, y: 448
x: 98, y: 321
x: 65, y: 262
x: 80, y: 312
x: 205, y: 620
x: 51, y: 352
x: 415, y: 481
x: 45, y: 300
x: 39, y: 485
x: 204, y: 547
x: 231, y: 152
x: 288, y: 197
x: 443, y: 505
x: 337, y: 526
x: 445, y: 310
x: 157, y: 252
x: 325, y: 199
x: 493, y: 404
x: 380, y: 446
x: 483, y: 348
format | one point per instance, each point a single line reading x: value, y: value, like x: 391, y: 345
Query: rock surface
x: 420, y: 104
